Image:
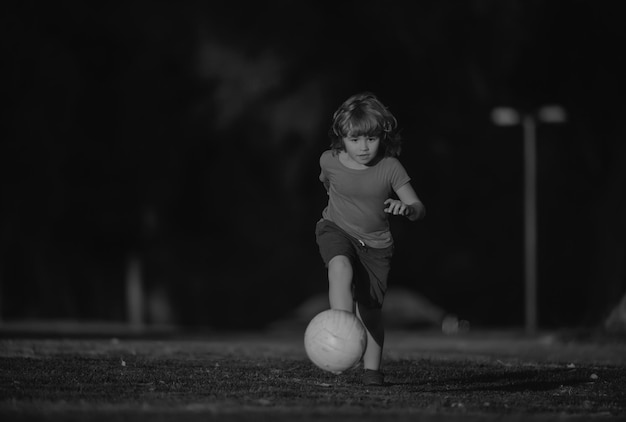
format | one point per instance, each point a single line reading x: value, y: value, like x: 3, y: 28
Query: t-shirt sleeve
x: 399, y: 176
x: 323, y: 177
x: 323, y: 164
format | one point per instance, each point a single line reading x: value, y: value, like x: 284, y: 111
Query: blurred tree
x: 188, y: 134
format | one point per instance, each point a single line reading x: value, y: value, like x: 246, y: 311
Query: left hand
x: 396, y: 207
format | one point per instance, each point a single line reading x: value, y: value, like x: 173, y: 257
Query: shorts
x: 370, y: 265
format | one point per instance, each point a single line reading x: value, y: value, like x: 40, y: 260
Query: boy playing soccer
x: 361, y: 174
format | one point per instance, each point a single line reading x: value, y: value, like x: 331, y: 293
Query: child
x: 360, y: 173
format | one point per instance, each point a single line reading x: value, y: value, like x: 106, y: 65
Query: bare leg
x: 340, y: 283
x: 374, y: 351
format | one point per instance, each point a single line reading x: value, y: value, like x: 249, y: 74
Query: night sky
x: 184, y: 137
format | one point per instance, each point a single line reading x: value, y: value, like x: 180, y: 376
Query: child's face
x: 361, y: 149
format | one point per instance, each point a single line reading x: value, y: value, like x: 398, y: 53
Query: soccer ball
x: 335, y: 340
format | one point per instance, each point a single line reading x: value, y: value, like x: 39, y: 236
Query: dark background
x: 184, y: 137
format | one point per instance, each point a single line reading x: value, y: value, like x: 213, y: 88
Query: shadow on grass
x: 509, y: 381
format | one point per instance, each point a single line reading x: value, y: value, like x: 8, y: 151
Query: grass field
x: 502, y: 376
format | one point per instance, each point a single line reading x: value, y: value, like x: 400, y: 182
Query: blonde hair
x: 365, y: 115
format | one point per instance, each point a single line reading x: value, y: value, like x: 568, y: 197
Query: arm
x: 408, y: 204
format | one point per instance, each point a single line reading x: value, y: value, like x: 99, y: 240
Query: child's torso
x: 356, y: 197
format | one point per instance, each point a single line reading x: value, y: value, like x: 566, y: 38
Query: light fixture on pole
x: 506, y: 116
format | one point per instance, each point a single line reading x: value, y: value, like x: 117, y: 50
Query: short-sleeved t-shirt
x: 356, y: 197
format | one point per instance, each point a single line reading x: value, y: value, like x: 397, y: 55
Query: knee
x: 340, y: 263
x: 340, y: 269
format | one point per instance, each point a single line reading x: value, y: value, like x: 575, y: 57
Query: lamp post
x: 506, y: 116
